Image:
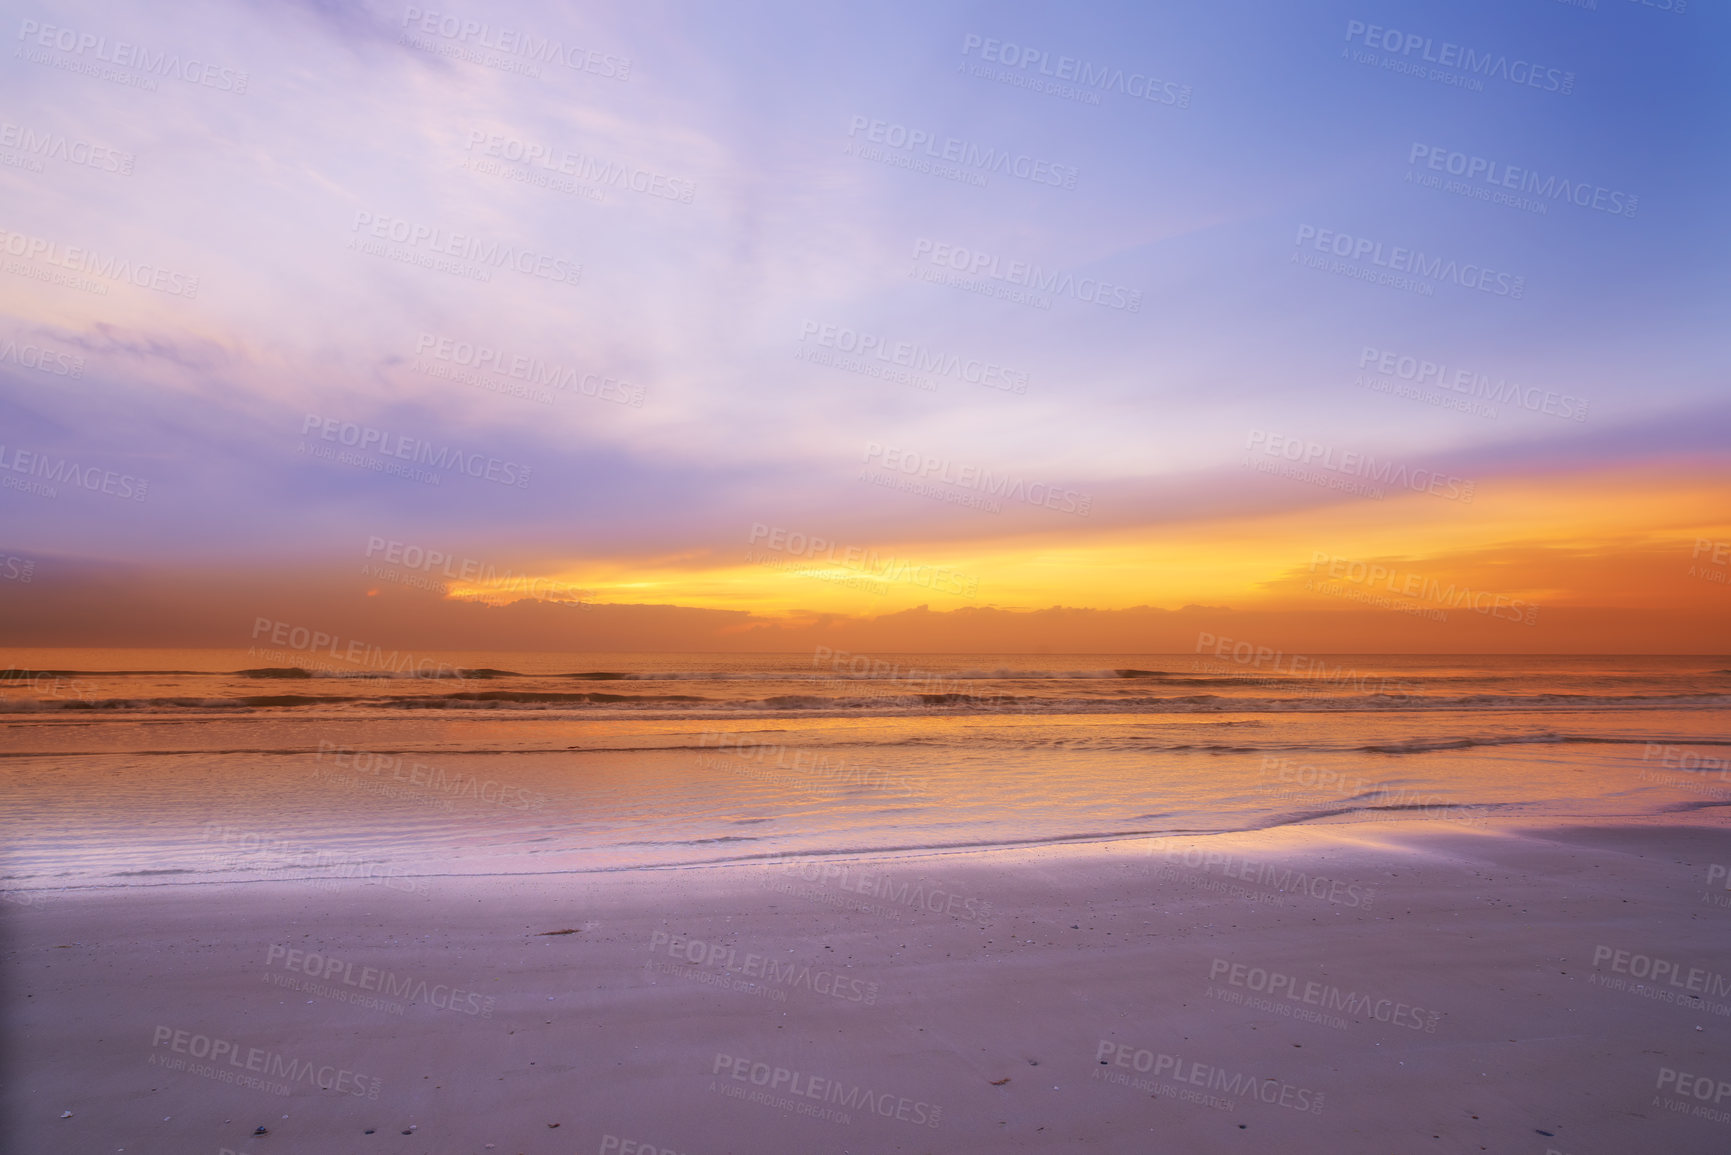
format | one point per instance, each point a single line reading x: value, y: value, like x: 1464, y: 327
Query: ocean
x: 135, y: 768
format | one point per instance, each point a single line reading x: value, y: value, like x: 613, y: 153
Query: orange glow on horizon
x: 1622, y: 541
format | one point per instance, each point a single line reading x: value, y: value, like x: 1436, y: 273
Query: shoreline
x: 1306, y: 837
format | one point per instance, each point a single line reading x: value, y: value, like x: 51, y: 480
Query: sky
x: 1354, y: 325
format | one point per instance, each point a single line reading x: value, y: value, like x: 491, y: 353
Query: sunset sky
x: 1012, y: 307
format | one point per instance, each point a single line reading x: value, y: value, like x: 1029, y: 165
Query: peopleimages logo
x: 580, y: 166
x: 42, y: 359
x: 863, y: 560
x: 761, y: 966
x: 516, y: 42
x: 404, y: 560
x: 915, y: 894
x: 1023, y: 274
x: 804, y: 1085
x: 972, y: 477
x: 1703, y: 1088
x: 1180, y: 1070
x: 1371, y: 574
x: 1662, y: 970
x: 1507, y: 176
x: 89, y: 262
x: 441, y: 242
x: 1447, y: 54
x: 1411, y: 261
x: 167, y: 65
x: 271, y: 1064
x: 1088, y: 76
x: 1474, y: 384
x: 1354, y: 464
x: 751, y: 756
x: 96, y: 479
x: 302, y: 639
x: 984, y: 159
x: 435, y: 779
x: 1276, y: 984
x: 405, y: 448
x: 534, y: 372
x: 1274, y: 878
x: 326, y: 968
x: 918, y: 358
x: 36, y: 146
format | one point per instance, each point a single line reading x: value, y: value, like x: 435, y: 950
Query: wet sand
x: 1366, y: 987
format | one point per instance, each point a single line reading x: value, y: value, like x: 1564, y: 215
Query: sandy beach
x: 1371, y: 987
